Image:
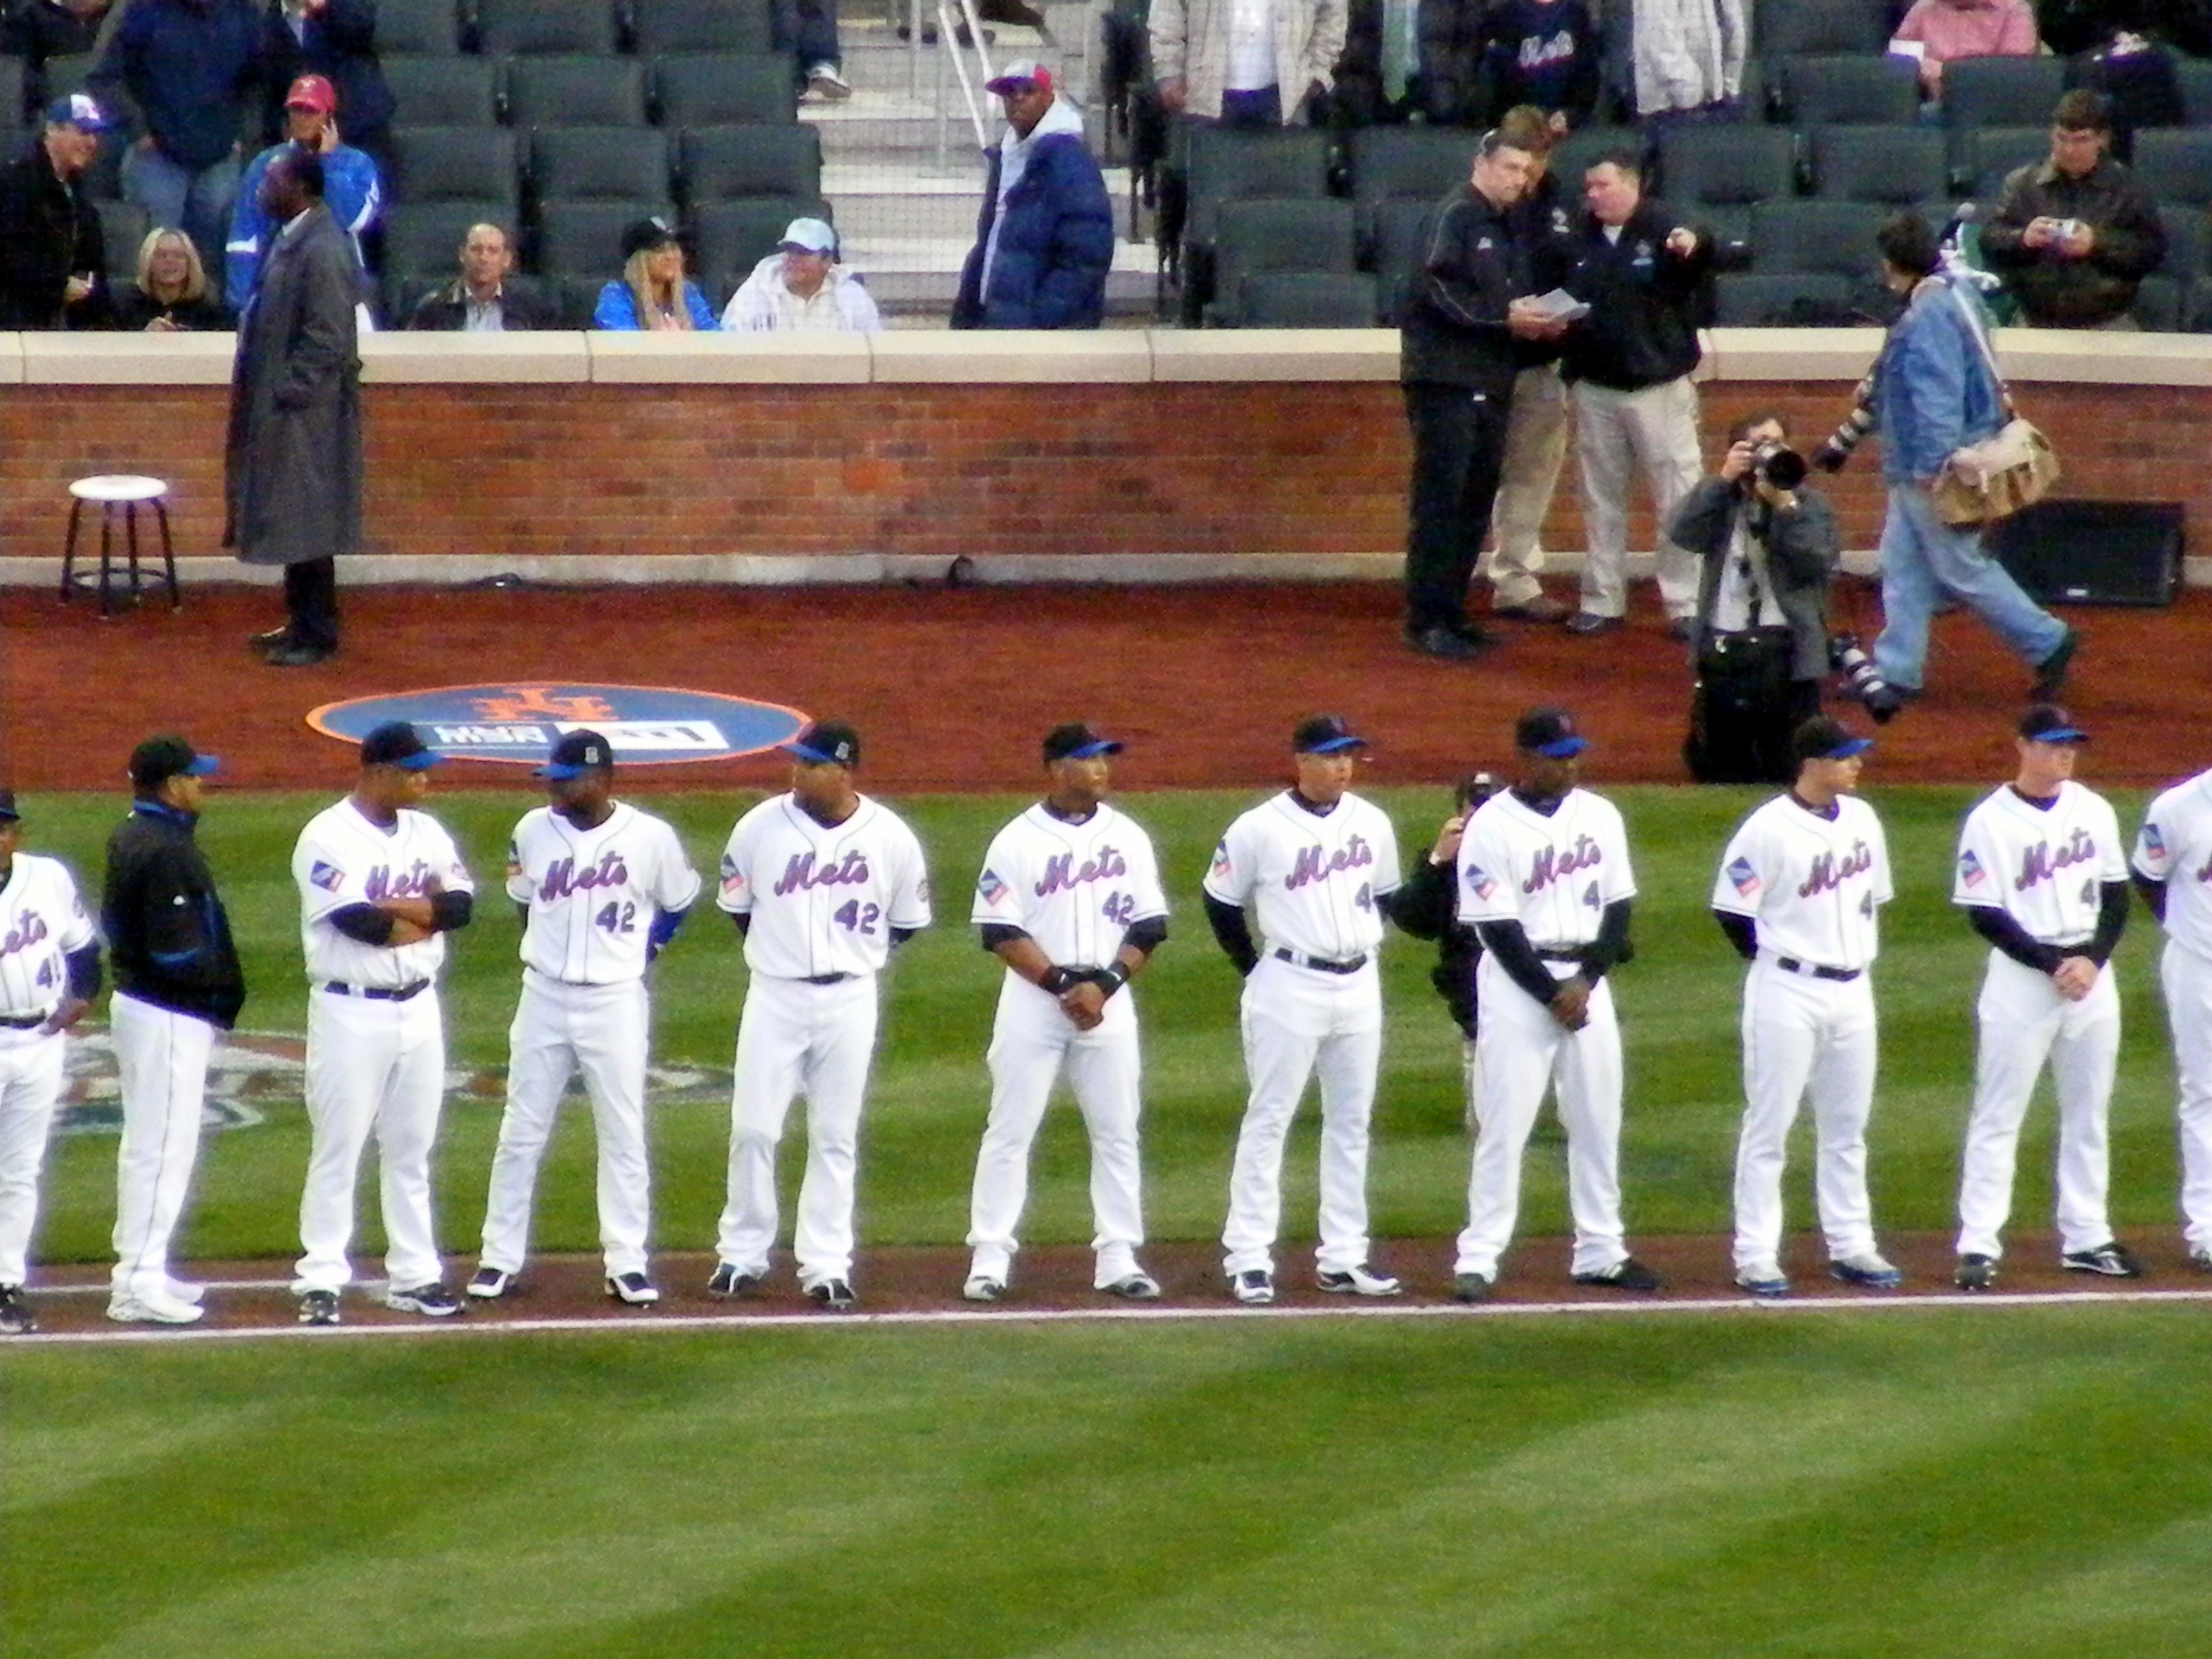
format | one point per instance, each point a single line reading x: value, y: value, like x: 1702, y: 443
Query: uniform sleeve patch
x: 1744, y: 878
x: 328, y: 876
x: 1479, y: 881
x: 2154, y: 844
x: 1221, y: 860
x: 1970, y: 869
x: 989, y: 888
x: 733, y: 879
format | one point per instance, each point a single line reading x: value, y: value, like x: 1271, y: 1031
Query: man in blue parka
x: 1045, y: 239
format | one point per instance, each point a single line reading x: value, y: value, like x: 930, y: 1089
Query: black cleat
x: 1975, y: 1272
x: 731, y: 1281
x: 1472, y: 1287
x: 1625, y: 1274
x: 320, y: 1308
x: 835, y: 1294
x: 16, y: 1316
x: 2111, y: 1259
x: 432, y: 1301
x: 634, y: 1290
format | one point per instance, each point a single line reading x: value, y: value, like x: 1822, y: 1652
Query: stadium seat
x: 713, y: 90
x: 1743, y: 299
x: 730, y: 238
x: 1994, y: 152
x: 2195, y: 77
x: 456, y: 164
x: 1828, y: 91
x: 1794, y: 237
x: 123, y: 226
x: 600, y: 164
x: 706, y: 26
x: 424, y: 239
x: 451, y: 91
x: 1713, y: 173
x: 1426, y: 163
x: 718, y: 164
x: 579, y: 296
x: 1785, y: 28
x: 559, y: 91
x: 417, y: 27
x: 576, y: 239
x: 2000, y: 92
x: 67, y: 74
x: 509, y: 27
x: 1277, y: 235
x: 2159, y: 303
x: 1395, y: 246
x: 1902, y: 166
x: 1306, y: 299
x: 2188, y: 242
x: 15, y: 91
x: 2174, y: 164
x: 1227, y: 165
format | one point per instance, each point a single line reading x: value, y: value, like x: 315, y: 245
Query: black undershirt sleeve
x: 1742, y: 933
x: 83, y: 967
x: 1612, y: 946
x: 901, y: 935
x: 2112, y: 922
x: 364, y: 923
x: 742, y: 920
x: 1509, y: 942
x: 1147, y: 935
x: 995, y: 933
x: 2154, y: 895
x: 2008, y: 936
x: 452, y: 911
x: 1422, y: 907
x: 1233, y: 933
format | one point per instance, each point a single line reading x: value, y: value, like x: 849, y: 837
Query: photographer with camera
x: 2074, y: 235
x: 1769, y: 546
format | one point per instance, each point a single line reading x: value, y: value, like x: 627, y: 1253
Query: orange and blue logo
x: 520, y: 723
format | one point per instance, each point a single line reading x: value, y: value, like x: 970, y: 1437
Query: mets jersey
x: 822, y: 897
x: 1072, y: 888
x: 1552, y: 875
x: 342, y: 859
x: 1815, y: 885
x: 41, y: 922
x: 2047, y: 866
x: 1312, y: 877
x: 2175, y: 846
x: 592, y: 893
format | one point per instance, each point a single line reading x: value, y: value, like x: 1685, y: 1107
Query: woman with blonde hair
x: 171, y: 293
x: 652, y: 293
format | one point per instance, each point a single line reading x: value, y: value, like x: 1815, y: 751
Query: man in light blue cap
x: 801, y: 286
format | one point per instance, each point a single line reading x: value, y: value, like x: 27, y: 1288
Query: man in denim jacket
x: 1935, y: 393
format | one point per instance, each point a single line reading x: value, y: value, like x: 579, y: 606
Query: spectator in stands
x: 1372, y: 76
x: 802, y: 287
x: 352, y: 189
x: 1645, y: 277
x: 190, y: 67
x: 1938, y: 30
x: 1044, y: 241
x: 488, y: 298
x: 808, y: 30
x: 1686, y: 57
x: 1247, y: 62
x: 35, y: 30
x: 1544, y: 52
x: 2074, y: 236
x: 172, y: 295
x: 1452, y: 89
x: 652, y: 293
x: 51, y: 252
x: 335, y: 40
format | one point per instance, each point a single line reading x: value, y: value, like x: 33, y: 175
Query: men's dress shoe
x: 1625, y: 1274
x: 2051, y: 672
x: 320, y: 1308
x: 1976, y: 1271
x: 1356, y: 1281
x: 1138, y: 1286
x: 1439, y: 640
x: 731, y: 1281
x: 1869, y: 1271
x: 1541, y: 609
x: 1586, y: 623
x: 1472, y: 1287
x: 295, y: 653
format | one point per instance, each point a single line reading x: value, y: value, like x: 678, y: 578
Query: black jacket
x: 1645, y: 303
x: 167, y: 936
x: 521, y: 307
x: 340, y: 46
x: 1543, y: 224
x: 135, y: 308
x: 1427, y: 906
x: 2056, y: 292
x: 49, y: 231
x: 1471, y: 266
x: 1544, y: 54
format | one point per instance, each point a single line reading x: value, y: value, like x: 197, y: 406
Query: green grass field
x: 1998, y: 1482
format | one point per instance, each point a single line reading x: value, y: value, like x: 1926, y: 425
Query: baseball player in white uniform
x: 49, y: 975
x: 2044, y: 879
x: 381, y: 884
x: 1070, y: 899
x: 1316, y: 865
x: 603, y: 888
x: 1545, y: 880
x: 2173, y: 871
x: 822, y: 883
x: 1800, y: 894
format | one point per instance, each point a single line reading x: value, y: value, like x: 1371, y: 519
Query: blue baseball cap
x: 826, y: 743
x: 396, y: 743
x: 79, y: 110
x: 157, y: 760
x: 2048, y: 723
x: 575, y: 754
x: 1549, y: 733
x: 1822, y: 738
x: 1076, y: 741
x: 1325, y: 734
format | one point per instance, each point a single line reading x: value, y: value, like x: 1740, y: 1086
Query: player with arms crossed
x: 2043, y: 878
x: 381, y: 884
x: 2172, y: 867
x: 602, y: 888
x: 1070, y: 900
x: 823, y: 883
x: 1315, y: 863
x: 1544, y: 879
x: 1799, y: 894
x: 49, y: 975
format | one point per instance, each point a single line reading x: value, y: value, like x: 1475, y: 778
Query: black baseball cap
x: 396, y: 743
x: 1325, y: 734
x: 7, y: 812
x: 1823, y: 738
x: 1076, y: 741
x: 577, y: 753
x: 157, y: 760
x: 641, y: 236
x: 2048, y: 723
x: 826, y: 743
x: 1549, y: 733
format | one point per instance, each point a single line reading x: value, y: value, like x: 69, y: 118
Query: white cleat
x: 151, y: 1307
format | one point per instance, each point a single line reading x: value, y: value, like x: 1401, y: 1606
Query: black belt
x: 1815, y: 970
x: 24, y: 1022
x: 827, y: 979
x: 1543, y: 954
x: 404, y: 994
x: 1320, y: 965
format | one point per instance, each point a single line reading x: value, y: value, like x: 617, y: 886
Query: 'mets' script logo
x: 563, y: 878
x: 1314, y: 864
x: 1063, y: 874
x: 802, y: 873
x: 1829, y: 872
x: 2038, y: 863
x: 1552, y: 864
x: 411, y: 883
x: 30, y: 929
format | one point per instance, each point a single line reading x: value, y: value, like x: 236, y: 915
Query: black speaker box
x: 2094, y: 552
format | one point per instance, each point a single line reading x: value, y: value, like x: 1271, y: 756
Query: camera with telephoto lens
x: 1836, y: 448
x: 1863, y: 679
x: 1778, y: 466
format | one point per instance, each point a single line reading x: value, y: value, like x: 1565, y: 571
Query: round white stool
x: 113, y: 491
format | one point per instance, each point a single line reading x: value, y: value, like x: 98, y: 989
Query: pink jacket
x: 1982, y: 28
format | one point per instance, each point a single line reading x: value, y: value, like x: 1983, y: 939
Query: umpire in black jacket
x: 1467, y: 313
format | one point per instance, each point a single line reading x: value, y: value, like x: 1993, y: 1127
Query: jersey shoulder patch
x: 1744, y: 878
x: 326, y: 876
x: 1479, y: 882
x: 1970, y: 869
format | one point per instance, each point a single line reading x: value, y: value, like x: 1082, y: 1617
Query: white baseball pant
x: 1031, y: 1042
x: 795, y: 1039
x: 161, y: 1062
x: 559, y: 1030
x: 2186, y: 979
x: 1298, y: 1022
x: 31, y: 1068
x: 378, y: 1065
x: 1535, y: 449
x: 1805, y: 1040
x: 1520, y: 1052
x: 1616, y: 433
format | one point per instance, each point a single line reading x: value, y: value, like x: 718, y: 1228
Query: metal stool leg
x: 68, y: 547
x: 130, y: 535
x: 168, y: 553
x: 107, y: 550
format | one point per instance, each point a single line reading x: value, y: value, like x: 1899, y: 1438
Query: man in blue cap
x: 52, y: 253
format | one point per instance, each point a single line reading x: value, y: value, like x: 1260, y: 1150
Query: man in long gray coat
x: 294, y: 461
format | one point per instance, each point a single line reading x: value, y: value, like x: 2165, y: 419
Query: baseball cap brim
x: 561, y: 770
x: 422, y: 761
x: 818, y: 756
x: 2061, y: 735
x: 202, y: 766
x: 1336, y: 745
x: 1092, y: 750
x: 1562, y: 748
x: 1848, y: 748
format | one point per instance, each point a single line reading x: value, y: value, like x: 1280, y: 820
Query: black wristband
x: 1113, y: 976
x: 1057, y: 979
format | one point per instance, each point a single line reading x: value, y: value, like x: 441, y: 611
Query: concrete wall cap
x: 622, y: 358
x: 1013, y: 357
x: 127, y: 359
x: 400, y: 357
x: 1276, y: 354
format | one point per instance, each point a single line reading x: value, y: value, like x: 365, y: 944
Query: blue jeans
x: 1924, y: 558
x: 176, y: 197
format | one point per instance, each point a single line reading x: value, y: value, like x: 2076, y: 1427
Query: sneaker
x: 491, y: 1283
x: 1975, y: 1272
x: 823, y: 82
x: 1137, y: 1286
x: 1763, y: 1278
x: 2200, y: 1260
x: 1586, y: 623
x: 1869, y: 1272
x: 982, y: 1287
x: 2049, y: 681
x: 833, y: 1294
x: 151, y: 1307
x: 15, y: 1318
x: 1357, y: 1281
x: 1449, y: 643
x: 731, y: 1281
x: 320, y: 1308
x: 432, y: 1301
x: 1472, y: 1287
x: 633, y: 1289
x: 184, y: 1290
x: 1254, y: 1287
x: 2111, y: 1259
x: 1625, y: 1274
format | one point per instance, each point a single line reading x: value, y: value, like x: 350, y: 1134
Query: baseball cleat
x: 1358, y: 1280
x: 835, y: 1294
x: 1975, y: 1272
x: 491, y: 1283
x: 1763, y: 1278
x: 1137, y: 1286
x: 320, y: 1308
x: 2111, y: 1259
x: 635, y: 1289
x: 982, y: 1287
x: 184, y: 1290
x: 731, y: 1281
x: 432, y: 1301
x: 150, y: 1308
x: 2200, y: 1260
x: 1869, y: 1272
x: 1472, y: 1287
x: 1625, y: 1274
x: 15, y: 1318
x: 1254, y: 1287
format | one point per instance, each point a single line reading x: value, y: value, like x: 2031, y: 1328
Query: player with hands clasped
x: 823, y: 884
x: 381, y: 884
x: 1316, y: 865
x: 1799, y: 894
x: 2173, y: 865
x: 1070, y: 899
x: 1544, y: 879
x: 49, y: 975
x: 602, y: 888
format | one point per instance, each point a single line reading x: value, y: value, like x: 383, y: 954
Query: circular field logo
x: 647, y: 725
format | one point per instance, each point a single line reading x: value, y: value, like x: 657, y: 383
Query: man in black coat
x: 488, y: 298
x: 52, y: 256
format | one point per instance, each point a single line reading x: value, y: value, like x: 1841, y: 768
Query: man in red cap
x: 1044, y: 241
x: 351, y: 187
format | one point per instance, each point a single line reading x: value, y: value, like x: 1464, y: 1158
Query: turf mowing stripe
x: 692, y: 1323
